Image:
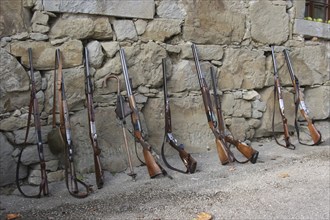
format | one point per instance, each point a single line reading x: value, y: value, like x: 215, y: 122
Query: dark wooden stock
x: 153, y: 168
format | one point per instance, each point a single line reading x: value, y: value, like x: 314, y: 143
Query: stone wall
x: 232, y: 36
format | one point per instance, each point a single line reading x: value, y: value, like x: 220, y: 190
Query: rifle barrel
x: 198, y: 66
x: 274, y: 60
x: 124, y: 66
x: 288, y: 62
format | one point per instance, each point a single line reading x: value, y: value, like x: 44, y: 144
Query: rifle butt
x: 153, y: 168
x: 223, y: 156
x: 98, y: 172
x: 248, y: 152
x: 188, y: 161
x: 44, y: 186
x: 315, y: 134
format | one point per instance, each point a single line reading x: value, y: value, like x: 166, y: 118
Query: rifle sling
x: 43, y: 182
x: 166, y: 162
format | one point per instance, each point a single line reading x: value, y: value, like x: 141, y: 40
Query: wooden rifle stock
x: 189, y: 162
x: 153, y: 167
x: 299, y: 102
x: 91, y: 119
x: 222, y: 148
x: 278, y: 92
x: 246, y: 150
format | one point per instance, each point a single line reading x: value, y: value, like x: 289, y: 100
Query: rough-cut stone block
x: 311, y: 28
x: 269, y: 23
x: 119, y: 8
x: 210, y: 22
x: 12, y: 17
x: 43, y: 53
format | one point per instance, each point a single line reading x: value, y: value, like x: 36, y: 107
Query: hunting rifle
x: 43, y: 186
x: 278, y: 94
x: 92, y: 128
x: 189, y: 162
x: 224, y: 153
x: 300, y: 104
x: 71, y: 179
x: 247, y: 151
x: 121, y: 115
x: 154, y: 168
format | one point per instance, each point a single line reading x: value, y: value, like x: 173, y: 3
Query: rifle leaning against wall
x: 154, y: 168
x: 300, y: 104
x: 33, y: 106
x: 122, y: 111
x: 189, y: 162
x: 224, y: 153
x: 278, y: 94
x: 247, y: 151
x: 92, y: 128
x: 71, y: 179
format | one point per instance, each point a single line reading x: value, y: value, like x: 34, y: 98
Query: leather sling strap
x: 20, y: 157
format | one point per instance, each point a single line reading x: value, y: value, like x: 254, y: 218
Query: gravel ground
x: 283, y: 184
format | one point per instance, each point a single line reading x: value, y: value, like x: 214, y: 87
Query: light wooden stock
x: 223, y: 156
x: 316, y: 137
x: 153, y: 168
x: 246, y: 150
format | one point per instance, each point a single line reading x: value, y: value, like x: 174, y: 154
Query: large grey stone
x: 242, y: 69
x: 95, y: 53
x: 269, y: 23
x: 210, y: 22
x: 8, y: 164
x: 161, y: 29
x: 14, y: 82
x: 125, y: 30
x: 311, y: 28
x: 13, y: 17
x: 131, y: 9
x: 43, y: 53
x: 317, y: 102
x: 170, y: 9
x: 144, y: 66
x: 81, y: 27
